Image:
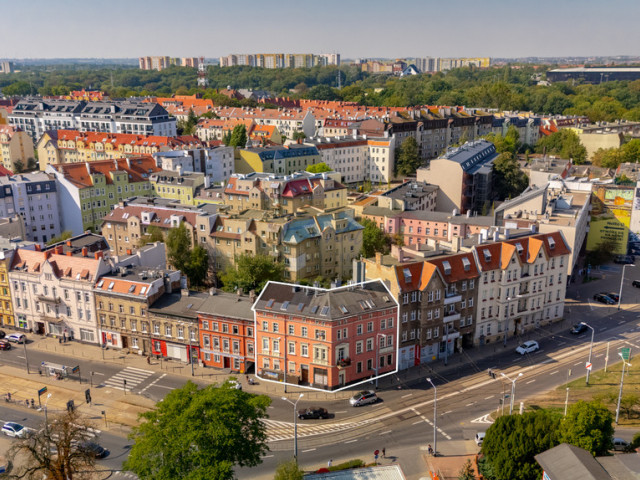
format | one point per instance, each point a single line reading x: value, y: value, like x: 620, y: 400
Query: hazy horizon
x: 359, y: 28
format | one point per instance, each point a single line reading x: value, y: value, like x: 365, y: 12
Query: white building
x: 216, y: 163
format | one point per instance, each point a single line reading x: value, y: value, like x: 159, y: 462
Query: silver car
x: 363, y: 398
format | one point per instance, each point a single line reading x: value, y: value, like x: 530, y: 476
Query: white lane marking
x: 602, y: 329
x: 490, y: 396
x: 553, y: 373
x: 407, y: 395
x: 341, y: 411
x: 469, y: 404
x: 140, y: 370
x: 530, y: 381
x: 579, y: 363
x: 267, y: 456
x: 154, y: 382
x: 310, y: 450
x: 384, y: 433
x: 620, y: 322
x: 20, y: 357
x: 415, y: 423
x: 351, y: 441
x: 600, y: 355
x: 448, y: 411
x: 562, y: 343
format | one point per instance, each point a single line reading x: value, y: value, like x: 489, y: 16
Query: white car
x: 16, y: 430
x: 528, y: 347
x: 235, y: 384
x: 17, y: 338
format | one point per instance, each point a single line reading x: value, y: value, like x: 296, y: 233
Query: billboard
x: 610, y: 216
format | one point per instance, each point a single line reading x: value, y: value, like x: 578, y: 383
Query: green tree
x: 56, y: 452
x: 226, y: 138
x: 564, y: 143
x: 198, y: 267
x: 628, y: 403
x: 607, y: 157
x: 588, y: 425
x: 509, y: 143
x: 631, y: 151
x: 373, y: 239
x: 238, y: 136
x: 466, y: 471
x: 61, y: 238
x: 230, y: 432
x: 18, y: 166
x: 319, y: 168
x: 289, y: 471
x: 179, y: 247
x: 512, y: 442
x: 509, y: 180
x: 298, y: 136
x: 408, y: 157
x: 154, y: 234
x: 251, y: 273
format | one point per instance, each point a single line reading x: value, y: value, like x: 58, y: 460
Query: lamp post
x: 378, y: 355
x: 190, y: 350
x: 624, y: 363
x: 435, y: 418
x: 621, y: 282
x: 46, y: 423
x: 284, y: 368
x: 295, y: 424
x: 26, y: 358
x: 590, y: 348
x: 446, y: 344
x: 513, y: 390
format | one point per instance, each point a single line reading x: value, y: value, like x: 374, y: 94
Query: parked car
x: 636, y: 283
x: 313, y: 413
x: 13, y: 429
x: 94, y: 449
x: 235, y: 384
x: 363, y: 398
x: 613, y: 296
x: 607, y: 300
x: 4, y: 345
x: 480, y: 438
x: 2, y: 334
x: 578, y: 328
x: 528, y: 347
x: 620, y: 445
x: 623, y: 259
x: 17, y: 338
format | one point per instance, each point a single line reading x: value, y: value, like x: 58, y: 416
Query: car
x: 620, y: 445
x: 363, y: 398
x: 2, y: 334
x: 4, y: 345
x: 13, y: 429
x: 235, y: 384
x: 97, y: 451
x: 480, y: 438
x: 313, y: 413
x: 578, y: 328
x: 623, y: 259
x: 528, y: 347
x: 607, y: 300
x: 636, y: 283
x: 17, y: 338
x: 613, y: 296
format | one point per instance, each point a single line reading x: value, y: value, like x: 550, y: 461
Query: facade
x: 288, y: 122
x: 52, y: 293
x: 593, y: 75
x: 217, y: 163
x: 226, y: 329
x: 16, y: 146
x: 325, y: 339
x: 162, y: 62
x: 73, y: 146
x: 410, y: 196
x: 88, y: 191
x: 6, y: 303
x: 35, y: 197
x: 463, y: 175
x: 526, y: 124
x: 280, y: 60
x: 278, y: 160
x: 36, y: 115
x: 183, y: 188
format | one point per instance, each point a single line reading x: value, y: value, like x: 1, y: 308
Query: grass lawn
x: 602, y: 386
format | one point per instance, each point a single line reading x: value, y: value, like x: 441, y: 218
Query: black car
x: 578, y: 328
x: 613, y: 296
x: 623, y: 259
x: 2, y: 334
x: 4, y: 345
x: 94, y: 449
x: 599, y: 297
x: 636, y: 283
x: 313, y: 412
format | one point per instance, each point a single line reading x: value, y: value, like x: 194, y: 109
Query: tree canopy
x: 564, y: 143
x: 509, y: 180
x: 154, y: 234
x: 289, y: 471
x: 229, y: 433
x: 193, y: 262
x: 319, y: 168
x: 408, y: 157
x: 588, y: 425
x: 612, y: 157
x: 61, y: 238
x: 373, y: 239
x: 251, y: 273
x: 507, y: 143
x: 238, y: 137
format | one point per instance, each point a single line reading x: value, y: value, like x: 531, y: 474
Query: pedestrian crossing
x: 133, y: 377
x: 277, y: 430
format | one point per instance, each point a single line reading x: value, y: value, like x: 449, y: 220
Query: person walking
x: 329, y: 463
x: 384, y: 452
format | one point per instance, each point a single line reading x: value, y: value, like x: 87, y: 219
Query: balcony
x: 452, y: 298
x: 344, y: 362
x: 451, y: 318
x: 50, y: 299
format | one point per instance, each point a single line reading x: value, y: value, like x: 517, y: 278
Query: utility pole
x: 624, y: 363
x: 435, y: 417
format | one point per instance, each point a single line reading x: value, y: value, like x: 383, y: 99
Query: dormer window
x: 447, y: 267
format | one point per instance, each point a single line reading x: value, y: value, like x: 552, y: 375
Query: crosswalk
x: 133, y: 377
x: 277, y: 430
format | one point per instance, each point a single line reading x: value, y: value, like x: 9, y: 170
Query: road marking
x: 384, y: 433
x: 267, y: 456
x: 469, y: 404
x: 599, y: 355
x: 341, y: 411
x: 602, y: 329
x: 407, y: 395
x: 515, y: 360
x: 581, y: 336
x: 553, y: 373
x: 448, y: 411
x: 154, y: 382
x: 482, y: 419
x: 530, y: 381
x: 621, y: 322
x: 562, y: 343
x: 579, y: 363
x: 310, y: 450
x: 351, y: 441
x: 20, y: 357
x: 490, y: 396
x: 415, y: 423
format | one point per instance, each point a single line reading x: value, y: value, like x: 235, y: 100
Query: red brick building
x: 323, y: 338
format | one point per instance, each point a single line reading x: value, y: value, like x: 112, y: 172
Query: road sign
x: 42, y: 390
x: 626, y: 353
x: 588, y: 365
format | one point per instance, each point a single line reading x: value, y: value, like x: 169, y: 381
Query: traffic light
x: 87, y: 395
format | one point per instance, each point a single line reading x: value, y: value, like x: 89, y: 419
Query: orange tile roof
x: 495, y: 250
x: 457, y: 268
x: 121, y: 285
x: 74, y: 267
x: 428, y: 269
x: 160, y: 218
x: 138, y: 170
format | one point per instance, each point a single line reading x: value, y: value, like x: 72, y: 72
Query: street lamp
x: 295, y: 424
x: 190, y: 350
x: 590, y: 348
x: 284, y: 346
x: 46, y: 423
x: 378, y: 355
x: 624, y: 363
x: 435, y: 418
x: 621, y: 282
x: 513, y: 390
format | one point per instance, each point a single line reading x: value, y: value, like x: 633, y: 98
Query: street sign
x: 626, y: 353
x: 42, y: 390
x: 588, y: 365
x: 75, y: 369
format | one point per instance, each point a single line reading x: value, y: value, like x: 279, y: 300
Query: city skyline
x: 461, y: 28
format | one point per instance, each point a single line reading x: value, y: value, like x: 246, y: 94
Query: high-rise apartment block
x: 280, y: 60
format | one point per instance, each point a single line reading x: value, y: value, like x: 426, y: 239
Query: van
x: 480, y: 438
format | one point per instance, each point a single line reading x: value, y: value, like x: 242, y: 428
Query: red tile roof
x: 77, y: 268
x: 457, y: 267
x: 161, y: 216
x: 138, y: 170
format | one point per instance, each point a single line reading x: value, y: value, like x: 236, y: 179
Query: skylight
x: 111, y: 285
x: 270, y: 303
x: 314, y: 309
x: 325, y: 311
x: 343, y: 309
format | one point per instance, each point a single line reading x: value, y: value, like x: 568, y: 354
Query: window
x: 134, y: 325
x: 369, y: 344
x: 274, y: 327
x: 303, y: 331
x: 369, y: 326
x: 304, y: 350
x: 167, y: 330
x: 292, y: 348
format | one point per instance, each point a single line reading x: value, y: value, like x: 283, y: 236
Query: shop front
x: 111, y: 339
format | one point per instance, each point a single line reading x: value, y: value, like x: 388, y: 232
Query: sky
x: 353, y: 28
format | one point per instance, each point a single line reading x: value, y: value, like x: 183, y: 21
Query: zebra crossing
x: 277, y: 430
x: 133, y: 377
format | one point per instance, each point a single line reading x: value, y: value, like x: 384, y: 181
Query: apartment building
x: 280, y: 60
x: 325, y: 339
x: 16, y: 146
x: 73, y: 146
x: 6, y: 303
x: 35, y: 197
x: 52, y: 293
x: 522, y: 285
x: 181, y: 187
x: 226, y: 329
x: 88, y: 191
x: 526, y: 124
x: 37, y: 115
x: 162, y: 62
x: 209, y: 129
x: 409, y: 196
x: 276, y: 159
x: 287, y: 121
x: 464, y: 176
x: 217, y: 163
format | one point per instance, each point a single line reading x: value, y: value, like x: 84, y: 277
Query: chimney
x: 378, y: 258
x: 47, y: 254
x: 38, y: 248
x: 68, y: 243
x: 252, y: 296
x: 59, y: 250
x: 85, y: 251
x: 99, y: 255
x: 69, y: 253
x: 129, y: 251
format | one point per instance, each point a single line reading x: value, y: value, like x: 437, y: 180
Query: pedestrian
x: 429, y: 449
x: 384, y: 452
x: 148, y: 360
x: 329, y: 463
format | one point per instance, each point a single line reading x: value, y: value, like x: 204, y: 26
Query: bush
x: 356, y: 463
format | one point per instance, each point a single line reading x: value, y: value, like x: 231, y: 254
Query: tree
x: 607, y: 157
x: 238, y: 136
x: 628, y: 402
x: 466, y: 471
x: 61, y: 238
x: 564, y: 143
x: 408, y: 157
x: 289, y: 471
x: 251, y: 273
x: 229, y: 432
x: 18, y: 166
x: 56, y: 452
x: 509, y: 142
x: 509, y: 180
x: 198, y: 267
x: 154, y: 234
x: 373, y: 239
x: 512, y: 442
x: 588, y: 425
x: 319, y: 168
x: 179, y: 247
x: 298, y: 136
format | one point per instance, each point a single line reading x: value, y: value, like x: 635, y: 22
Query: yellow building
x: 278, y: 160
x: 15, y: 146
x: 182, y: 188
x: 6, y: 307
